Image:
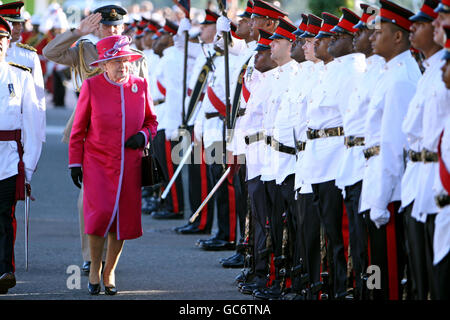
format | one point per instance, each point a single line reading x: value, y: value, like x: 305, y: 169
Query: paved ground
x: 160, y: 265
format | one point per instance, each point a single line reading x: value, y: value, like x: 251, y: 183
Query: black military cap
x: 329, y: 22
x: 368, y: 12
x: 210, y: 17
x: 111, y: 14
x: 264, y: 40
x: 169, y: 27
x: 5, y: 29
x: 426, y: 13
x: 11, y: 11
x: 313, y: 27
x: 248, y: 10
x: 444, y: 6
x: 302, y: 27
x: 347, y: 22
x: 284, y: 30
x: 393, y: 13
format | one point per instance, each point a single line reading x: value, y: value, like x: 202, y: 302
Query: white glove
x: 28, y: 175
x: 379, y: 216
x: 223, y: 24
x: 185, y: 25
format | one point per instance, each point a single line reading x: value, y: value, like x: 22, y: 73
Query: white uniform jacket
x: 386, y: 112
x: 322, y: 157
x: 19, y: 109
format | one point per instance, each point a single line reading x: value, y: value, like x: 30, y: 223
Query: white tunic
x: 435, y: 110
x: 441, y: 240
x: 386, y: 111
x: 31, y: 60
x: 19, y: 109
x: 353, y: 163
x: 286, y: 120
x: 308, y: 78
x: 252, y: 122
x: 323, y: 156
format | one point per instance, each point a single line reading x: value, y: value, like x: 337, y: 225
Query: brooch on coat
x: 134, y: 88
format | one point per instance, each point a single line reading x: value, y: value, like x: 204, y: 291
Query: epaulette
x: 26, y: 46
x: 19, y: 66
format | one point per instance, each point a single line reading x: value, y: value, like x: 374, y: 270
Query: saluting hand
x: 77, y: 176
x: 135, y: 142
x: 89, y: 24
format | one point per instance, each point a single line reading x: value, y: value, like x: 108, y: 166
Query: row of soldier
x: 341, y: 167
x: 338, y: 175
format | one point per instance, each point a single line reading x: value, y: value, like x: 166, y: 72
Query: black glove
x: 77, y: 176
x: 135, y: 142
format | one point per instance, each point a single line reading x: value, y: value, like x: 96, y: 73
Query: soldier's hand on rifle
x: 135, y: 142
x: 89, y: 24
x: 178, y: 39
x: 77, y: 176
x: 223, y: 24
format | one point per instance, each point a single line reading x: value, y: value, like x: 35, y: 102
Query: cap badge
x: 113, y: 13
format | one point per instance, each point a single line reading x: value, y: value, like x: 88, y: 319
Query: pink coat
x: 107, y: 114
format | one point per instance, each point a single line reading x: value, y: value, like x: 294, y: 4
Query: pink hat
x: 115, y: 47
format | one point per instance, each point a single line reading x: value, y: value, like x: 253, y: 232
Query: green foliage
x: 331, y: 6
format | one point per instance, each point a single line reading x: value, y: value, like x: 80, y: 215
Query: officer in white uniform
x: 384, y: 143
x: 422, y: 126
x: 20, y: 149
x: 351, y: 171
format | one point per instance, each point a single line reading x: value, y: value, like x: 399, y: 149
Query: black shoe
x: 272, y: 293
x: 190, y: 229
x: 94, y: 289
x: 166, y: 215
x: 229, y: 258
x: 7, y: 281
x: 236, y: 262
x: 86, y: 267
x: 201, y: 241
x: 258, y: 283
x: 217, y: 245
x: 177, y: 229
x: 110, y: 291
x: 150, y: 205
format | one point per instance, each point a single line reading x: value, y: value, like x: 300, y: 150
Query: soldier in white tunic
x: 20, y: 149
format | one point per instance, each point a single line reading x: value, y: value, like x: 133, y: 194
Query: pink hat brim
x: 133, y: 57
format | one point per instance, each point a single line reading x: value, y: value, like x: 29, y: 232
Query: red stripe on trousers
x: 173, y: 190
x: 14, y: 225
x: 345, y: 232
x: 204, y: 190
x: 232, y: 209
x: 392, y: 254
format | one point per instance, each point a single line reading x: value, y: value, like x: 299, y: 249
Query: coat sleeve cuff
x: 145, y: 137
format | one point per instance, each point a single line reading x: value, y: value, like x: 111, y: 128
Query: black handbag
x: 151, y: 173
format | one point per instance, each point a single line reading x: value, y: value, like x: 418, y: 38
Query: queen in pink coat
x: 113, y: 122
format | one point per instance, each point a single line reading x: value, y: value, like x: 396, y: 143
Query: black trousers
x: 329, y: 201
x: 282, y: 206
x: 419, y: 247
x: 59, y: 90
x: 260, y: 212
x: 388, y: 252
x: 307, y: 241
x: 441, y: 274
x: 198, y: 187
x: 357, y: 233
x: 7, y: 224
x: 229, y: 198
x: 163, y: 153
